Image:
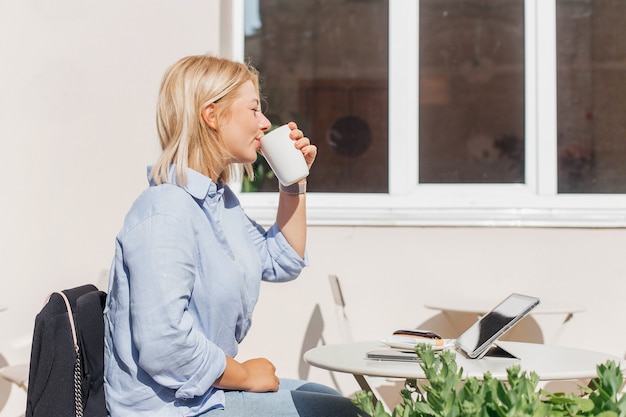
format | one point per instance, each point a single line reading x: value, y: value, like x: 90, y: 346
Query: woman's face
x: 243, y: 131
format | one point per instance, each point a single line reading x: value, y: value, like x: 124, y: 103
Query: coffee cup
x: 284, y: 158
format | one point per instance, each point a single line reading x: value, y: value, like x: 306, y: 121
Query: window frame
x: 534, y: 203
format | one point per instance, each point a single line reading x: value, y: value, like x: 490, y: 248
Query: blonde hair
x: 188, y: 86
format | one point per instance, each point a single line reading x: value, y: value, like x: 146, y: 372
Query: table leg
x: 365, y: 386
x: 555, y: 337
x: 568, y: 317
x: 378, y: 395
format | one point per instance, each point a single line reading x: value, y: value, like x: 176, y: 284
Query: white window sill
x: 388, y: 210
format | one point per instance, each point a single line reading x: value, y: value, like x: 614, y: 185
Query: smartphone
x: 429, y: 334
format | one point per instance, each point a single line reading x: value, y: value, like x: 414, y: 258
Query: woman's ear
x: 209, y: 115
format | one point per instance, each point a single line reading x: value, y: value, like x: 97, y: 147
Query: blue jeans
x: 293, y: 399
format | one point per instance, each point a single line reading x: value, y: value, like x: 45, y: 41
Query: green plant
x: 445, y: 394
x: 262, y: 173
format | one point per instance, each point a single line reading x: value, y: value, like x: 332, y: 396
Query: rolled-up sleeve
x: 280, y: 261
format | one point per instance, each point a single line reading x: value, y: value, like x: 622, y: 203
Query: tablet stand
x: 497, y: 352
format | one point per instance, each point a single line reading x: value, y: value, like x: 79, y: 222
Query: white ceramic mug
x: 284, y: 158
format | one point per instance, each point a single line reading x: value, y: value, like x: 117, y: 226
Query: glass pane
x: 471, y: 83
x: 591, y: 103
x: 324, y: 65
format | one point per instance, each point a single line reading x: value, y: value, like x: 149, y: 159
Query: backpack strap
x: 90, y: 329
x: 78, y: 394
x: 70, y: 317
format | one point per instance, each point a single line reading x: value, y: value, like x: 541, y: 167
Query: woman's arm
x: 291, y: 215
x: 256, y: 375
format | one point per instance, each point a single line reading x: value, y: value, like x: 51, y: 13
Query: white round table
x: 549, y: 362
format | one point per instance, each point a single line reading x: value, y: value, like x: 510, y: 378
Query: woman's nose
x: 264, y: 123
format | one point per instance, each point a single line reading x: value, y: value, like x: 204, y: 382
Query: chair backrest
x: 59, y: 365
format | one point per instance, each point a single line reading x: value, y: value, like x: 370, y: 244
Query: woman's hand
x: 303, y: 144
x: 254, y: 375
x: 261, y: 375
x: 291, y: 214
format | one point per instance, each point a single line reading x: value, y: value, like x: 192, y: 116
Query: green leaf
x: 445, y: 394
x: 607, y: 414
x: 364, y: 400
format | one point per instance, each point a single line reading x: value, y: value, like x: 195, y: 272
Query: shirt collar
x: 199, y: 186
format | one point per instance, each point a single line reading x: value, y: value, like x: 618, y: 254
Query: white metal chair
x: 17, y: 374
x: 385, y: 389
x: 9, y: 375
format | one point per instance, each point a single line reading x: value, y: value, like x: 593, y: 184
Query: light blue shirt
x: 184, y: 282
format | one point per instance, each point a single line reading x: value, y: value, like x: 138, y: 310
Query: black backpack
x: 66, y: 374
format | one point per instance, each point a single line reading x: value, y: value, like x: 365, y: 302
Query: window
x: 328, y: 72
x: 448, y: 112
x: 471, y: 83
x: 591, y: 94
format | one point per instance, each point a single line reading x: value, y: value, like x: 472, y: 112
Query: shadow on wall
x: 313, y: 336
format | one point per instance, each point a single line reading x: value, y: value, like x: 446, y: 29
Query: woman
x: 188, y: 262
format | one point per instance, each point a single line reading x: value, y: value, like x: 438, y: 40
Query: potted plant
x: 445, y: 394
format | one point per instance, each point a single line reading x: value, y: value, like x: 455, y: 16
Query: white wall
x: 78, y: 83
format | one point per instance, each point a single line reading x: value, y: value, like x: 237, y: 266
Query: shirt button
x: 232, y: 257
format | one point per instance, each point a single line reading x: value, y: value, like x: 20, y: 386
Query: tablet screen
x: 480, y: 336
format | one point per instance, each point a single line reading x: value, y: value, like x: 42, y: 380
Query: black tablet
x: 476, y: 340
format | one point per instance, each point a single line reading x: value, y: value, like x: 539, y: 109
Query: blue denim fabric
x: 294, y: 399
